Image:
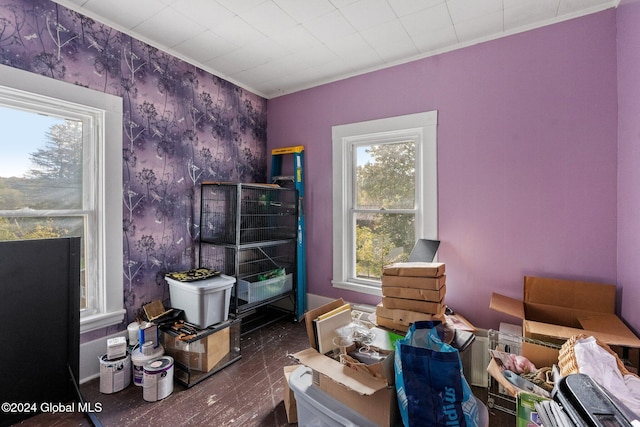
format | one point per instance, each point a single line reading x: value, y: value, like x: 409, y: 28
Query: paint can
x: 140, y: 356
x: 115, y: 375
x: 158, y: 379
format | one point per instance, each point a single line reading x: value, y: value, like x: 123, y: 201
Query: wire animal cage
x: 497, y: 397
x: 239, y: 214
x: 249, y: 231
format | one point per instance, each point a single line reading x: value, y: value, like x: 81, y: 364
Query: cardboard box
x: 390, y: 324
x: 554, y: 310
x: 415, y: 269
x: 416, y: 294
x: 432, y: 283
x: 400, y: 320
x: 201, y: 355
x: 413, y: 305
x: 317, y: 408
x: 370, y: 396
x: 373, y: 398
x: 289, y: 397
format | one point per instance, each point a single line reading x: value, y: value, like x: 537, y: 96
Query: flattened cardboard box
x: 289, y: 398
x: 416, y: 294
x: 372, y: 397
x: 415, y: 269
x: 555, y: 310
x: 413, y: 305
x: 430, y: 283
x: 310, y: 315
x: 390, y: 324
x: 401, y: 319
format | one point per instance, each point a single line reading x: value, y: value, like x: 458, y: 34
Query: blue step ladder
x: 298, y: 182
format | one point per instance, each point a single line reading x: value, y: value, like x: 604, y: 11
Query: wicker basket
x: 568, y: 363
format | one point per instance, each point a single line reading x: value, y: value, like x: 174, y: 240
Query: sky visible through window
x: 23, y: 132
x: 363, y: 156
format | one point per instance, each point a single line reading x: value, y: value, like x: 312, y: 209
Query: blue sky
x: 363, y: 157
x: 22, y: 133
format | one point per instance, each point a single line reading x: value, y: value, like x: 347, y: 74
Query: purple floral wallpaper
x: 182, y: 126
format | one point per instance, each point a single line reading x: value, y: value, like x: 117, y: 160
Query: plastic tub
x: 264, y: 289
x: 205, y: 302
x: 316, y: 408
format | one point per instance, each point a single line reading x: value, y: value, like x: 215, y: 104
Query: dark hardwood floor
x: 246, y: 393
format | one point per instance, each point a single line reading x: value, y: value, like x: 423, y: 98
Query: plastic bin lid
x: 205, y: 285
x: 325, y: 405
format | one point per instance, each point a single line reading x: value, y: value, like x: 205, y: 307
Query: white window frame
x: 103, y: 236
x: 419, y: 127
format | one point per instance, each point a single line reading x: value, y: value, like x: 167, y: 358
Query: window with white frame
x: 384, y: 195
x: 61, y: 176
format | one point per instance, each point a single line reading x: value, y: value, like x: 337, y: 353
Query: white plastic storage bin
x: 205, y: 302
x: 316, y: 408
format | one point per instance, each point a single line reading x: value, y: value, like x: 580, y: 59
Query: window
x: 59, y: 141
x: 384, y: 195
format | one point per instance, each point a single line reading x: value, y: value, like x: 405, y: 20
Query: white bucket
x: 115, y: 375
x: 158, y: 379
x: 133, y: 330
x: 140, y: 356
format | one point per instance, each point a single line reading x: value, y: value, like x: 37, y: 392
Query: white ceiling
x: 274, y: 47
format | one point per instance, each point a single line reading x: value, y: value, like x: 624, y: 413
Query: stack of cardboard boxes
x: 411, y: 291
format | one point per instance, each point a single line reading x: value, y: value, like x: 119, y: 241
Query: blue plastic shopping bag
x: 432, y: 390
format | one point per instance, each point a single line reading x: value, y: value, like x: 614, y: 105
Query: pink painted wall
x: 527, y: 151
x: 628, y: 16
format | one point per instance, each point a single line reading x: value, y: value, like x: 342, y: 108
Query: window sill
x: 358, y: 287
x: 102, y: 320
